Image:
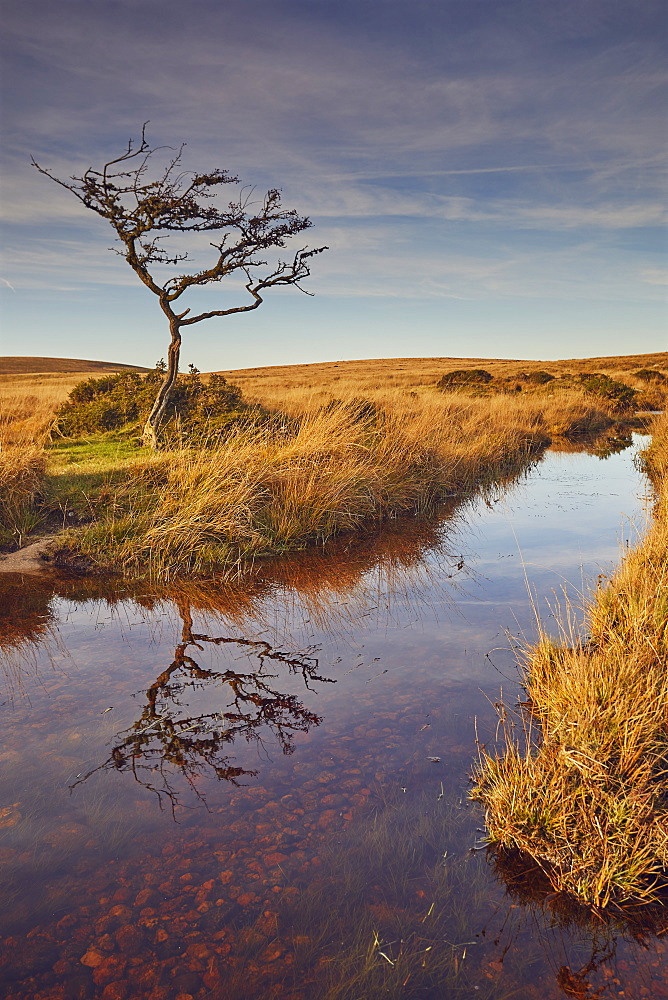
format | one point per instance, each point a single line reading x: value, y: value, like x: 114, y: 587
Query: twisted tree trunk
x: 151, y: 432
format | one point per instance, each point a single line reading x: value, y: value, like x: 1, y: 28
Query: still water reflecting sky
x: 315, y: 718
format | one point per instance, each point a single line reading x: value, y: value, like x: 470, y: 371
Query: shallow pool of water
x: 259, y: 789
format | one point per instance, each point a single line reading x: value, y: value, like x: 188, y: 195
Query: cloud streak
x: 496, y: 149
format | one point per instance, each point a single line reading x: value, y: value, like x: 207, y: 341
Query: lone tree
x: 144, y: 212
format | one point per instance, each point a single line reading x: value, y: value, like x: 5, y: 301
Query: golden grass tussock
x: 330, y: 460
x: 21, y: 478
x: 27, y: 411
x: 272, y: 489
x: 583, y: 792
x: 25, y: 423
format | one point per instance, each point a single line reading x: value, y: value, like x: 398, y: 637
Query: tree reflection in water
x: 190, y: 716
x: 163, y: 742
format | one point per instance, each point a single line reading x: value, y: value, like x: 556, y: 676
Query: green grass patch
x: 101, y: 451
x: 84, y: 475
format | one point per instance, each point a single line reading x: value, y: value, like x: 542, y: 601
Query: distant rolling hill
x: 381, y: 371
x: 409, y: 372
x: 28, y: 366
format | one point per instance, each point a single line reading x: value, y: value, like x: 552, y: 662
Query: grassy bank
x: 584, y: 791
x: 26, y: 416
x: 305, y: 466
x: 276, y: 488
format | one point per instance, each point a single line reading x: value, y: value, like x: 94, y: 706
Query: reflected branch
x: 167, y: 739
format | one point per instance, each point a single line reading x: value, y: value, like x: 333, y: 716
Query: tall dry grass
x: 584, y: 793
x: 28, y: 404
x: 412, y: 373
x: 560, y: 413
x: 21, y: 477
x: 27, y: 410
x: 330, y: 462
x: 328, y: 469
x: 26, y: 418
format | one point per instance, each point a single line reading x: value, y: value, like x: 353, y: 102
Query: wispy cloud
x: 654, y: 276
x: 439, y: 152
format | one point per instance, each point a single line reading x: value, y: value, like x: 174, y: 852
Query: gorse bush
x: 650, y: 375
x: 479, y: 379
x: 618, y: 396
x: 464, y: 376
x: 605, y: 387
x: 538, y: 378
x: 196, y: 408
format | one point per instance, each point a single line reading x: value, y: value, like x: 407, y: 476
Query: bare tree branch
x: 179, y: 202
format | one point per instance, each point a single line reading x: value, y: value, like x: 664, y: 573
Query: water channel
x: 259, y: 789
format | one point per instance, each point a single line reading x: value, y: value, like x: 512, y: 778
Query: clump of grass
x: 26, y: 417
x: 275, y: 488
x: 584, y: 792
x: 26, y: 420
x: 25, y: 423
x: 300, y: 467
x: 21, y: 479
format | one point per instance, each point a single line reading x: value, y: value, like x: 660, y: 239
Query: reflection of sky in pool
x: 409, y: 630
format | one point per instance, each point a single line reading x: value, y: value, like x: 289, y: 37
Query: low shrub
x: 650, y: 375
x: 538, y: 378
x: 464, y: 377
x: 605, y: 387
x: 196, y: 408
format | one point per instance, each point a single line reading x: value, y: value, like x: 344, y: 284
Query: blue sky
x: 488, y: 175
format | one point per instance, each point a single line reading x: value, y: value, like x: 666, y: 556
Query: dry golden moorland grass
x: 17, y: 374
x: 583, y: 791
x: 360, y: 377
x: 14, y: 365
x: 32, y: 388
x: 316, y: 470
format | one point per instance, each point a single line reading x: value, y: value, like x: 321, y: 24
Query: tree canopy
x: 145, y: 206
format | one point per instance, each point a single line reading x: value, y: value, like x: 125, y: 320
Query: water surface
x: 259, y: 789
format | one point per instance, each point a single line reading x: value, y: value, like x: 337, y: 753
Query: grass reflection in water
x: 317, y: 879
